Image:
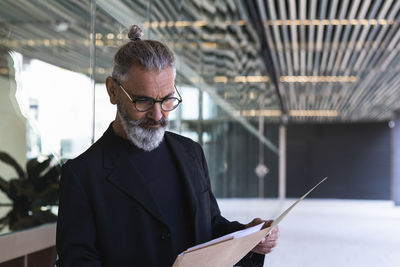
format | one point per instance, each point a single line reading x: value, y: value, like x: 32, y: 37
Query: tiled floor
x: 327, y: 233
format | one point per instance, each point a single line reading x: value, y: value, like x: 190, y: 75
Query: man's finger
x: 273, y: 236
x: 268, y: 243
x: 274, y: 233
x: 262, y: 250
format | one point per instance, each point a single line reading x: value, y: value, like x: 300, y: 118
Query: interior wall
x: 355, y: 157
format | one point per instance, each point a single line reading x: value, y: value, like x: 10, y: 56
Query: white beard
x: 144, y: 138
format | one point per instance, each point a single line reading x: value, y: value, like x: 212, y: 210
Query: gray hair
x: 149, y: 54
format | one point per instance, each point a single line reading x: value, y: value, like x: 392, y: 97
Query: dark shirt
x: 160, y: 173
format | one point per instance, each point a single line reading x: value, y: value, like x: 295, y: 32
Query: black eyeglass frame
x: 152, y: 99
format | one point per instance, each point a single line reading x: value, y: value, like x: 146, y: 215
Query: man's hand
x: 267, y: 243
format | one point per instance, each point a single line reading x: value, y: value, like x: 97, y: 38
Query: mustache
x: 150, y: 122
x: 143, y: 122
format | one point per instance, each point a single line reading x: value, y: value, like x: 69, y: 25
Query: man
x: 140, y: 195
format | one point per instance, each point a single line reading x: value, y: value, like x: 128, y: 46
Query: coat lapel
x: 187, y: 166
x: 195, y: 184
x: 125, y: 176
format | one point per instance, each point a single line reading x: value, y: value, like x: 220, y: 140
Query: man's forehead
x: 142, y: 82
x: 145, y: 77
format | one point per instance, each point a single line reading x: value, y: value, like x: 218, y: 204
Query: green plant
x: 32, y: 193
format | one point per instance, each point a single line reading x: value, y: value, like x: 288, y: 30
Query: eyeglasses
x: 144, y: 104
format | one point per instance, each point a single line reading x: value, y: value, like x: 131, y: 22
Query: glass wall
x: 55, y: 57
x: 45, y: 105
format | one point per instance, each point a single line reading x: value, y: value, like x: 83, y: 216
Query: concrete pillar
x: 396, y: 160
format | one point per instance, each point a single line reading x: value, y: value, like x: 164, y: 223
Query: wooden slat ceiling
x: 335, y: 60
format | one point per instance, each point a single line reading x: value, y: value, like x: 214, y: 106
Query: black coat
x: 108, y: 217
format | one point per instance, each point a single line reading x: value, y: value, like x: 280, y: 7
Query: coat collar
x: 129, y: 180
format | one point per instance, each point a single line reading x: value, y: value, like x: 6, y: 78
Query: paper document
x: 234, y: 235
x: 279, y: 219
x: 229, y: 249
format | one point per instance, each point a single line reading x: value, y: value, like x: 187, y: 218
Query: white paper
x: 252, y: 229
x: 279, y: 219
x: 233, y: 235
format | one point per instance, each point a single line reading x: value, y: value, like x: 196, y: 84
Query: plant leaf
x: 44, y: 216
x: 4, y: 186
x: 47, y: 197
x: 34, y: 168
x: 52, y: 175
x: 3, y: 222
x: 6, y: 158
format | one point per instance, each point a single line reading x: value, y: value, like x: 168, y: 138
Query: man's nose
x: 156, y: 112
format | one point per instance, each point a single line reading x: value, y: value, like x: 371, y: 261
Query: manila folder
x: 226, y: 253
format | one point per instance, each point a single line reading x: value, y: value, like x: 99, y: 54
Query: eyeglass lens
x: 167, y: 104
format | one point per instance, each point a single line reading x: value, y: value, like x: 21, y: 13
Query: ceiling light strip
x: 186, y: 23
x: 293, y: 79
x: 292, y: 113
x: 317, y: 22
x: 276, y: 22
x: 286, y: 79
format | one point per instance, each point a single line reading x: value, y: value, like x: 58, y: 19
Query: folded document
x: 229, y: 249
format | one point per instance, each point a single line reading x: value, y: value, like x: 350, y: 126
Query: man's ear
x: 112, y: 88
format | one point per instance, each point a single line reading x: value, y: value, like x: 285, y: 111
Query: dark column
x: 396, y: 160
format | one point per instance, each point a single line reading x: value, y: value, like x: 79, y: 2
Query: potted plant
x: 32, y: 193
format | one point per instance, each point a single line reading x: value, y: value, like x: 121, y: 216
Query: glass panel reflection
x: 46, y: 95
x: 219, y: 72
x: 45, y: 104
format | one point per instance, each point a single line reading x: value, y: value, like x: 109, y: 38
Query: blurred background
x: 280, y: 93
